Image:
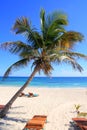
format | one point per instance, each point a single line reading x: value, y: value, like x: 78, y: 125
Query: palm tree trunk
x: 8, y: 105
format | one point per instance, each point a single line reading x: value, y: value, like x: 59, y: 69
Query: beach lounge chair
x: 36, y: 123
x: 40, y: 117
x: 81, y: 123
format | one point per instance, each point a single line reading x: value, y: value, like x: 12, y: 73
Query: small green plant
x: 82, y: 114
x: 77, y: 108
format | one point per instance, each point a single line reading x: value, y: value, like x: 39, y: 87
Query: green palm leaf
x: 52, y: 26
x: 21, y: 25
x: 16, y: 47
x: 68, y: 39
x: 21, y: 63
x: 75, y: 54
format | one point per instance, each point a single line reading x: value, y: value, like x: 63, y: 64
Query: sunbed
x: 36, y: 123
x: 40, y: 117
x: 81, y: 123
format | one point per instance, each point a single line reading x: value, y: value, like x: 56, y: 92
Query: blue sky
x: 13, y: 9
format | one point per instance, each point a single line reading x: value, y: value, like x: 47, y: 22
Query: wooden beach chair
x: 36, y: 123
x: 84, y: 128
x: 81, y: 123
x: 40, y: 117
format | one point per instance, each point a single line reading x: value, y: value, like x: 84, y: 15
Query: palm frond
x: 57, y: 25
x: 42, y: 19
x: 56, y: 15
x: 16, y: 47
x: 69, y: 38
x: 21, y: 25
x: 55, y: 22
x: 67, y: 57
x: 71, y: 61
x: 35, y: 39
x: 75, y: 54
x: 30, y: 54
x: 54, y: 27
x: 16, y: 65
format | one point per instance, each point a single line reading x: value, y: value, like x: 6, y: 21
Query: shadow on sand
x: 73, y: 126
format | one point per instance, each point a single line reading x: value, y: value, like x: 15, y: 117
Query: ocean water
x: 53, y: 82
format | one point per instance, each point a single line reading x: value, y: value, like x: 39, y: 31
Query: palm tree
x: 52, y: 44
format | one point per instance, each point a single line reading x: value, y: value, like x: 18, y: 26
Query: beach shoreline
x: 56, y: 103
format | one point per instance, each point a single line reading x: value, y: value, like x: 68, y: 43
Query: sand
x: 56, y: 103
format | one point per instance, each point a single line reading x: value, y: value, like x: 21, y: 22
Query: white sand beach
x: 56, y: 103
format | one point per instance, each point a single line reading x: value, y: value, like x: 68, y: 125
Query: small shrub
x: 77, y: 108
x: 82, y: 114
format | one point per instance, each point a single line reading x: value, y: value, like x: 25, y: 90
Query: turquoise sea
x: 53, y: 82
